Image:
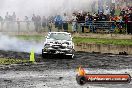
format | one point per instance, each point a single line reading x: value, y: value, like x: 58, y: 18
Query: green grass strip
x: 103, y: 41
x: 4, y: 61
x: 82, y: 40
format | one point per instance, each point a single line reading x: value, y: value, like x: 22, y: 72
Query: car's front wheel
x: 45, y: 55
x: 71, y: 56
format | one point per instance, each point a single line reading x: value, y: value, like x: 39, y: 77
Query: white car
x: 58, y: 44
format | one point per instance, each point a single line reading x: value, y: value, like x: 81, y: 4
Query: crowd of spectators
x: 39, y: 22
x: 79, y: 20
x: 91, y: 20
x: 9, y: 19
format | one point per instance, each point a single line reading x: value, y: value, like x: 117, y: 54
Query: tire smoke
x: 13, y: 44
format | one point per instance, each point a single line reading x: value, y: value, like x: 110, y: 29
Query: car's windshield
x: 60, y: 36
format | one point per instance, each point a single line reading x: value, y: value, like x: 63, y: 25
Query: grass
x: 103, y: 41
x: 30, y: 37
x: 82, y: 40
x: 4, y: 61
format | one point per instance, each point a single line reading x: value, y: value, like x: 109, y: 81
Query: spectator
x: 10, y: 21
x: 51, y: 18
x: 90, y: 21
x: 112, y: 11
x: 107, y: 11
x: 13, y: 19
x: 14, y: 16
x: 2, y: 23
x: 7, y: 17
x: 95, y: 20
x: 38, y: 23
x: 18, y: 24
x: 87, y: 19
x: 49, y: 25
x: 65, y: 22
x: 58, y: 22
x: 1, y: 19
x: 34, y: 19
x: 74, y: 23
x: 122, y: 13
x: 81, y: 21
x: 96, y: 17
x: 7, y: 20
x: 27, y: 22
x: 120, y: 24
x: 102, y: 17
x: 129, y: 23
x: 44, y: 22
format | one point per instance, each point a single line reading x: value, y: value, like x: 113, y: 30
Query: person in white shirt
x: 65, y: 22
x: 107, y: 11
x: 74, y: 23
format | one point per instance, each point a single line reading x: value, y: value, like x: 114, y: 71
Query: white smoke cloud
x: 14, y: 44
x: 42, y: 7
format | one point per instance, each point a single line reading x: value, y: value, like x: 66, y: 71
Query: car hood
x: 59, y: 42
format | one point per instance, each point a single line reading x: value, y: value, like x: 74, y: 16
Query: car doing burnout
x: 57, y: 44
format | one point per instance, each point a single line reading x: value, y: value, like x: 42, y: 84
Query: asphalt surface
x: 59, y: 72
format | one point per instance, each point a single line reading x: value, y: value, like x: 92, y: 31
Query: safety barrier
x: 105, y: 26
x: 92, y: 26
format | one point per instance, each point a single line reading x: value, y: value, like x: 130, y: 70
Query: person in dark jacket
x: 112, y: 11
x: 44, y: 22
x: 58, y: 22
x: 129, y: 22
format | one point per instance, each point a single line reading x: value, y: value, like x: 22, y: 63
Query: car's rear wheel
x: 42, y: 53
x: 72, y: 56
x: 48, y: 56
x: 45, y: 55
